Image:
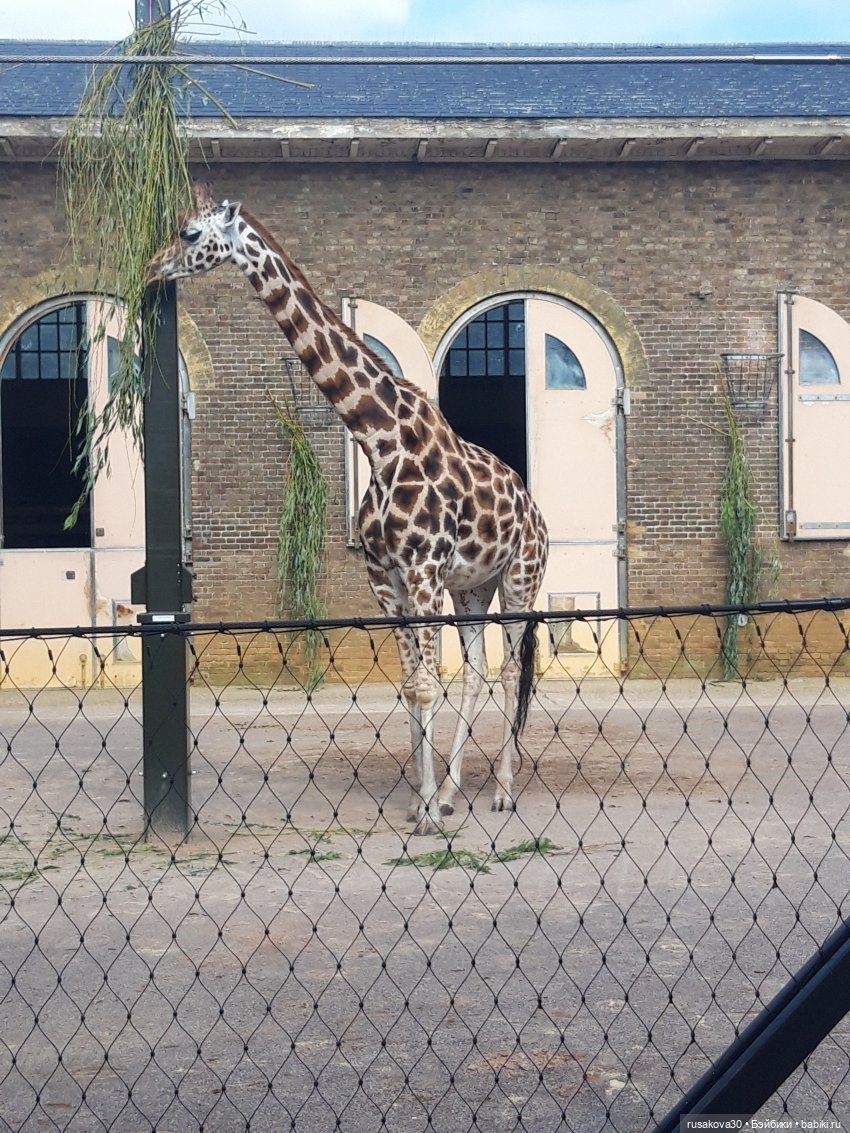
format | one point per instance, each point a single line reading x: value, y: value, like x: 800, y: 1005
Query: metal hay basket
x: 750, y: 379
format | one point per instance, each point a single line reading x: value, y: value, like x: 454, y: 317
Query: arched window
x: 43, y: 386
x: 491, y: 346
x: 482, y: 383
x: 384, y: 353
x: 563, y: 369
x: 817, y: 365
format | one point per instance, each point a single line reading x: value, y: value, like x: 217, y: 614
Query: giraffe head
x: 207, y: 238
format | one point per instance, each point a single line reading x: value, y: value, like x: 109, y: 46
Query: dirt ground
x: 302, y: 963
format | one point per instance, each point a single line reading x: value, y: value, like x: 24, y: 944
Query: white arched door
x: 814, y: 400
x: 574, y: 437
x: 573, y: 457
x: 402, y: 349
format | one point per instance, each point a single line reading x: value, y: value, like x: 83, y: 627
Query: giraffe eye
x: 190, y: 235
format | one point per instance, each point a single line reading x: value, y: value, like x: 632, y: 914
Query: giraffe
x: 439, y: 515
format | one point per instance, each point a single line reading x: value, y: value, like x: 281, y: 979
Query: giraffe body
x: 440, y: 515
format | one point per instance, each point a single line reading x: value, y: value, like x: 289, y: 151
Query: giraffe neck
x: 369, y: 399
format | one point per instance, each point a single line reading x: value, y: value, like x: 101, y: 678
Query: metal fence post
x: 164, y: 586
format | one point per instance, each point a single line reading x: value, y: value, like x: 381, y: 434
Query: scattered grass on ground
x: 317, y: 855
x: 466, y: 859
x: 523, y: 849
x: 443, y: 859
x: 25, y: 862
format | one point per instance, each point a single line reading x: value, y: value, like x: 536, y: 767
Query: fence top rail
x: 434, y: 58
x: 171, y: 624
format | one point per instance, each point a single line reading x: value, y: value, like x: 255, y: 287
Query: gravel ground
x: 302, y: 963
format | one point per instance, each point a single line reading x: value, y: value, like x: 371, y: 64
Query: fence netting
x: 678, y: 848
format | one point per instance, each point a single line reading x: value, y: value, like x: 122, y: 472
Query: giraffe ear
x: 230, y: 209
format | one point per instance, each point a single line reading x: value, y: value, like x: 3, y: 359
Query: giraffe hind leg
x: 423, y: 808
x: 518, y: 589
x: 415, y: 651
x: 474, y: 676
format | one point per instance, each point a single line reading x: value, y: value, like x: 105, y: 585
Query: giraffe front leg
x: 420, y: 688
x: 415, y: 776
x: 504, y: 797
x: 420, y: 685
x: 387, y: 588
x: 408, y: 650
x: 474, y: 676
x: 427, y: 809
x: 426, y: 688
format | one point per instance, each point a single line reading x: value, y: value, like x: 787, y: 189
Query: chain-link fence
x: 678, y: 847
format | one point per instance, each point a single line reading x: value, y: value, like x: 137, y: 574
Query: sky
x: 446, y: 21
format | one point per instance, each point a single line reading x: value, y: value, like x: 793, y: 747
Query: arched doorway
x: 55, y: 360
x: 398, y: 344
x: 537, y: 381
x: 814, y: 418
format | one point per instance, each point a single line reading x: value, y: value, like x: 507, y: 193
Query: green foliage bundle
x: 302, y: 534
x: 737, y: 525
x: 124, y: 175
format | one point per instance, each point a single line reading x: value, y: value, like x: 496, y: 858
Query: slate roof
x: 751, y: 81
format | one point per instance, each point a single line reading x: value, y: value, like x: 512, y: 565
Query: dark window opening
x: 43, y: 388
x: 482, y: 384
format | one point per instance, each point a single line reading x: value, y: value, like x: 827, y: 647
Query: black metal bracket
x: 139, y: 585
x: 164, y: 619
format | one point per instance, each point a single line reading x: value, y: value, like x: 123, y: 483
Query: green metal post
x: 164, y: 586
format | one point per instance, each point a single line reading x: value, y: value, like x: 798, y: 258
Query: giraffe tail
x: 527, y: 665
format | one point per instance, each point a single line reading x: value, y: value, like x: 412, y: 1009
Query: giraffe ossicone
x: 440, y: 515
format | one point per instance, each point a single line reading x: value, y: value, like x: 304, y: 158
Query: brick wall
x: 692, y: 253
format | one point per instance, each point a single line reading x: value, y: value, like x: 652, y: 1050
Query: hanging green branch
x: 125, y: 177
x: 737, y: 525
x: 124, y: 173
x: 748, y: 559
x: 302, y: 533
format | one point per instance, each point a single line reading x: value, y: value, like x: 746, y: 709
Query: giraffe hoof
x: 427, y: 825
x: 503, y: 802
x: 446, y: 807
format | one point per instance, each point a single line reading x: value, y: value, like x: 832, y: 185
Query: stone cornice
x: 486, y: 140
